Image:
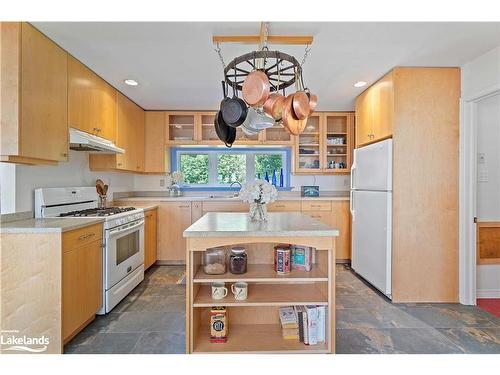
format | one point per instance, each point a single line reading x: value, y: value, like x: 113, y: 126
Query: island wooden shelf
x: 253, y: 324
x: 254, y: 338
x: 265, y: 295
x: 262, y: 273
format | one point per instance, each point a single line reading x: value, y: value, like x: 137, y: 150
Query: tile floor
x: 151, y: 320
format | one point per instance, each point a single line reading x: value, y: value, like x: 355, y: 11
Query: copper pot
x: 256, y: 88
x: 313, y: 102
x: 290, y: 121
x: 274, y: 106
x: 301, y: 105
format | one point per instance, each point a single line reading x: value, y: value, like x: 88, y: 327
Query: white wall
x: 480, y: 76
x: 73, y: 173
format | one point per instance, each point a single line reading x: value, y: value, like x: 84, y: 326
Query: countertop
x: 279, y: 224
x: 225, y: 196
x: 47, y: 225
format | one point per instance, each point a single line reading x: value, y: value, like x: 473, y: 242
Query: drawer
x: 225, y: 206
x: 284, y: 206
x: 325, y: 217
x: 81, y: 236
x: 314, y: 205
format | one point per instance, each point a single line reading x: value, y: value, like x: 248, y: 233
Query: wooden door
x: 128, y: 121
x: 90, y: 279
x: 139, y: 138
x: 173, y: 219
x: 341, y: 219
x: 44, y: 94
x: 91, y: 101
x: 196, y: 211
x: 364, y: 117
x: 71, y: 293
x: 383, y: 107
x: 154, y: 142
x: 150, y: 238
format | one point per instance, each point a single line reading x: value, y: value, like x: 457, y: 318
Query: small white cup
x: 219, y: 291
x: 240, y: 290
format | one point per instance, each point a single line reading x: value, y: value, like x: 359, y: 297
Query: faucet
x: 234, y: 183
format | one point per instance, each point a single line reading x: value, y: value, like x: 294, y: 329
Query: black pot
x: 234, y: 110
x: 226, y: 134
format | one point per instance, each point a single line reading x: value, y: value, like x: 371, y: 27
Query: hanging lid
x: 238, y: 250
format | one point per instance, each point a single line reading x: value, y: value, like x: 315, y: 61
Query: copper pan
x: 313, y: 102
x: 274, y: 106
x: 301, y: 105
x: 290, y: 121
x: 256, y: 88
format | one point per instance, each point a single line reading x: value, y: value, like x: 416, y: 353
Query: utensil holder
x: 102, y: 201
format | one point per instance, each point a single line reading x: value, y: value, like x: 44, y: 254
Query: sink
x: 226, y: 196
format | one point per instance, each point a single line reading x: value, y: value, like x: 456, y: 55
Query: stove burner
x: 98, y: 211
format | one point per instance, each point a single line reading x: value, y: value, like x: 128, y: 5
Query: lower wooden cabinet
x: 81, y: 279
x: 150, y: 238
x: 174, y: 218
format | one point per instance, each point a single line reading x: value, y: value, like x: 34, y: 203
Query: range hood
x: 81, y: 141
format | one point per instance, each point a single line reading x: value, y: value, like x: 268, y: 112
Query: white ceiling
x: 177, y: 68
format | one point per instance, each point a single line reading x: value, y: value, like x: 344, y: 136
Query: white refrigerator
x: 371, y: 211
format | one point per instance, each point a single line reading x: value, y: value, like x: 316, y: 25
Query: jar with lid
x: 214, y: 261
x: 238, y: 260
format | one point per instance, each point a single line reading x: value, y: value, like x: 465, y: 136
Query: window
x: 217, y: 167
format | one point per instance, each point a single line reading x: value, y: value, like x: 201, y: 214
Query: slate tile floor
x: 151, y: 320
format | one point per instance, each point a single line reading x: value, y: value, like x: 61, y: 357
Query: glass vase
x: 258, y: 211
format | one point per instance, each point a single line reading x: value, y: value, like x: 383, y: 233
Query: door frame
x: 467, y: 193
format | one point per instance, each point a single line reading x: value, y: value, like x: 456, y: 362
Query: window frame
x: 213, y: 152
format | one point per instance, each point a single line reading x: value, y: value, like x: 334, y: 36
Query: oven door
x: 124, y: 251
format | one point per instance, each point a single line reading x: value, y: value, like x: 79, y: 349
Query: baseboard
x: 488, y: 293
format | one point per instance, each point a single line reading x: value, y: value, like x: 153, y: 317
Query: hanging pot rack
x: 274, y: 62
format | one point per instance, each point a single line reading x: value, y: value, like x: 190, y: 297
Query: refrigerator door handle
x: 353, y: 177
x: 351, y: 203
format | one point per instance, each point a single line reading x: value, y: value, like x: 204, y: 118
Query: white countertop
x: 238, y: 224
x: 225, y: 196
x: 47, y: 225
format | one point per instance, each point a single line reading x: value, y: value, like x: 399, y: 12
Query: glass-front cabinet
x: 325, y: 146
x: 308, y: 146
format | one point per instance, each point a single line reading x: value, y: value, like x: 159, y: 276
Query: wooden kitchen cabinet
x: 129, y: 136
x: 155, y: 159
x: 91, y: 101
x: 34, y: 100
x: 341, y: 219
x: 81, y: 279
x: 326, y: 144
x: 174, y: 218
x: 374, y: 111
x: 150, y: 238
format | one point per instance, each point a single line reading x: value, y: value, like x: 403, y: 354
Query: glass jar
x: 238, y: 260
x: 214, y: 261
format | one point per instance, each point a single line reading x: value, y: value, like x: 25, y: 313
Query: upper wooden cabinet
x: 326, y: 144
x: 374, y: 111
x: 91, y: 101
x: 34, y: 96
x: 155, y: 157
x: 129, y: 136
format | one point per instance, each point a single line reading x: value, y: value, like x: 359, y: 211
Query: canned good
x: 282, y: 259
x: 218, y: 324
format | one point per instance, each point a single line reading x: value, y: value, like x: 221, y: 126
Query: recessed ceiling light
x: 131, y: 82
x: 360, y: 84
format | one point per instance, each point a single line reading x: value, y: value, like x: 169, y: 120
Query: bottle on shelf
x: 266, y: 177
x: 273, y: 178
x: 281, y: 178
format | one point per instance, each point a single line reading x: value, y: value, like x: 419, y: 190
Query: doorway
x: 487, y: 115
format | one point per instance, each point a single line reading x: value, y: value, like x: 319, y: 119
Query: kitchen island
x: 253, y: 324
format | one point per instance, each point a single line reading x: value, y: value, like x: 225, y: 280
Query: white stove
x: 123, y: 256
